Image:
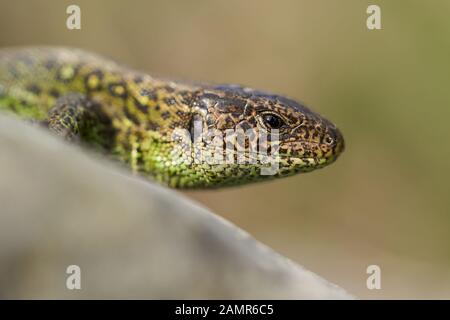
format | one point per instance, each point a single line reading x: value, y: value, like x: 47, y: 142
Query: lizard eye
x: 272, y: 121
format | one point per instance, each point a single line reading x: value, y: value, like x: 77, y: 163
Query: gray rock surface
x: 61, y: 206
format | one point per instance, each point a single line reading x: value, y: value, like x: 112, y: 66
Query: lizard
x: 135, y: 118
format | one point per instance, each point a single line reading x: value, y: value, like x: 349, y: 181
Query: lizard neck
x: 145, y: 113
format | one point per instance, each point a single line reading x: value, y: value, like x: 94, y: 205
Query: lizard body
x: 134, y: 117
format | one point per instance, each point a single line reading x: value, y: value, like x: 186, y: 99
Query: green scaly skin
x: 134, y: 117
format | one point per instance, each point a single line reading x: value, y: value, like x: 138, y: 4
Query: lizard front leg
x: 77, y: 118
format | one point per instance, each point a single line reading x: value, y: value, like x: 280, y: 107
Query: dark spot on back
x: 54, y: 92
x: 33, y: 88
x: 151, y: 94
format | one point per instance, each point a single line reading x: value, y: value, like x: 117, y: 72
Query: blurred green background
x: 386, y: 201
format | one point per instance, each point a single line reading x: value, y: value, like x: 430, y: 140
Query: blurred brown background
x: 386, y: 200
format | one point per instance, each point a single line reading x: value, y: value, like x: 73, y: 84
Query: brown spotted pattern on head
x: 306, y: 139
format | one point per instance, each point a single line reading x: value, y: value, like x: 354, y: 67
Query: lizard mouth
x: 306, y: 155
x: 326, y: 149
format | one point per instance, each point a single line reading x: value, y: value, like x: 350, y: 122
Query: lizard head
x: 298, y: 139
x: 215, y: 136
